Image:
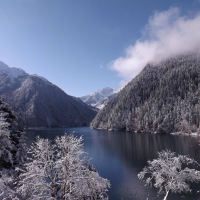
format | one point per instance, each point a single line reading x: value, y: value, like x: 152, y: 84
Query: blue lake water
x: 120, y: 156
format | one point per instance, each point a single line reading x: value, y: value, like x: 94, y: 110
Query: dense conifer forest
x: 163, y: 98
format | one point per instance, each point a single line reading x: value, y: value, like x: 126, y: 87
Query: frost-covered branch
x: 59, y: 170
x: 170, y: 173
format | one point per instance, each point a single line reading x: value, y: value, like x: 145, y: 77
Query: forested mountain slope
x: 39, y: 103
x: 163, y: 98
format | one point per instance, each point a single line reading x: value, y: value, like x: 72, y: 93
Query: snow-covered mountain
x: 163, y: 98
x: 100, y: 98
x: 16, y: 72
x: 12, y: 72
x: 38, y: 102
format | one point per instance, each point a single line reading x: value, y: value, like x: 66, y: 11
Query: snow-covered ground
x: 195, y: 134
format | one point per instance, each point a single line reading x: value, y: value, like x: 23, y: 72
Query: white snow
x: 99, y: 95
x: 100, y: 98
x: 14, y: 72
x: 44, y: 79
x: 185, y: 134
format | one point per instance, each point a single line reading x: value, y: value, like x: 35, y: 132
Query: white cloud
x: 167, y: 34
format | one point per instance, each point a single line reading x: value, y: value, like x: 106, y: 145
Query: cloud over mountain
x: 167, y: 34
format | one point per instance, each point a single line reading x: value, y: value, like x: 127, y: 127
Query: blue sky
x: 77, y: 44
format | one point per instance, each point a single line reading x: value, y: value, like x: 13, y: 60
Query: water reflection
x: 138, y: 148
x: 119, y: 156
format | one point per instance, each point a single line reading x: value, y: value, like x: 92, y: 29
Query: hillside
x: 40, y: 103
x: 163, y: 98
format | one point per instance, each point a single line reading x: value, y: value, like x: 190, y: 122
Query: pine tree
x: 6, y: 145
x: 12, y: 152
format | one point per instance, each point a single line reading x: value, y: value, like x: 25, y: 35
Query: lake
x: 120, y: 156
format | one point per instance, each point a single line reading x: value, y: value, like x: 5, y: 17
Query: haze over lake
x: 120, y: 156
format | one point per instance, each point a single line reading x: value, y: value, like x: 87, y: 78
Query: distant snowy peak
x: 13, y: 72
x: 100, y: 98
x: 96, y: 96
x: 16, y: 72
x: 105, y: 91
x: 116, y: 91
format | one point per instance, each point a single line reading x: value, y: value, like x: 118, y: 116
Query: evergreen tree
x: 12, y: 152
x: 6, y: 146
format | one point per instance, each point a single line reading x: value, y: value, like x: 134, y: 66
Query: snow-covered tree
x: 55, y: 170
x: 59, y: 170
x: 12, y: 141
x: 6, y: 145
x: 20, y: 153
x: 12, y: 153
x: 170, y: 173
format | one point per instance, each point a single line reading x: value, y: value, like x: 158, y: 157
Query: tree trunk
x: 166, y: 195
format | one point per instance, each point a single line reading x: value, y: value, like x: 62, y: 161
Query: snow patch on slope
x: 100, y: 98
x: 44, y: 79
x: 13, y: 72
x: 16, y: 72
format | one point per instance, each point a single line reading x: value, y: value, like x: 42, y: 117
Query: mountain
x: 163, y: 98
x: 40, y: 103
x: 100, y: 98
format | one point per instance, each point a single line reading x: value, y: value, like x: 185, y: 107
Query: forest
x: 163, y: 98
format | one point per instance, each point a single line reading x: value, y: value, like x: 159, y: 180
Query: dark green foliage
x: 164, y: 98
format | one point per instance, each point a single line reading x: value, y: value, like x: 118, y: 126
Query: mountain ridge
x: 38, y: 102
x: 100, y: 98
x: 163, y: 98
